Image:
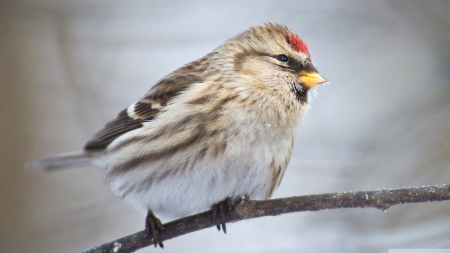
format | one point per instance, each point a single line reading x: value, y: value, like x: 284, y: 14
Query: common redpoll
x: 217, y: 128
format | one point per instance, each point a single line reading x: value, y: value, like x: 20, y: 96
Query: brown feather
x: 144, y: 110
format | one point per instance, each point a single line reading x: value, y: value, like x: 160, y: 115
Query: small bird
x: 210, y: 132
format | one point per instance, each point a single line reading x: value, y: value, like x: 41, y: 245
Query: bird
x: 214, y: 130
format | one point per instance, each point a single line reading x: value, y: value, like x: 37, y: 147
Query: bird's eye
x: 282, y: 58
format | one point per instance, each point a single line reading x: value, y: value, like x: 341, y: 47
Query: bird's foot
x: 154, y: 227
x: 219, y: 210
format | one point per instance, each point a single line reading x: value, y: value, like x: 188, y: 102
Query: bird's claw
x: 219, y: 209
x: 154, y: 227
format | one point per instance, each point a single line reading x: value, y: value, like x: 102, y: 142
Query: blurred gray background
x: 67, y: 67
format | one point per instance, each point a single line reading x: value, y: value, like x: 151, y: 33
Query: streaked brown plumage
x: 219, y: 127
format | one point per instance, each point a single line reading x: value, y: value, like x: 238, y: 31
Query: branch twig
x: 248, y: 209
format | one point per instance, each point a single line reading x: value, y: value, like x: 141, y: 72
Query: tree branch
x: 247, y: 209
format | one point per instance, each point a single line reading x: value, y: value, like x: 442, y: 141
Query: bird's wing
x: 142, y: 111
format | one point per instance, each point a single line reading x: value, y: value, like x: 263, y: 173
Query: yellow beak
x: 310, y: 79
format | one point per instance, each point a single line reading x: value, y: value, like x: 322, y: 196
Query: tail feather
x: 62, y: 161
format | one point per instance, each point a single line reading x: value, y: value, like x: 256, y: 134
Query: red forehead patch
x: 297, y: 44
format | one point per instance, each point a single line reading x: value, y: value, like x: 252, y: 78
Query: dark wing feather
x: 144, y: 110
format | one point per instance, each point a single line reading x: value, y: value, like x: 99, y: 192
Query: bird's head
x: 276, y: 56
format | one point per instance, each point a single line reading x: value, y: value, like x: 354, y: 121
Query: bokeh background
x: 67, y: 67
